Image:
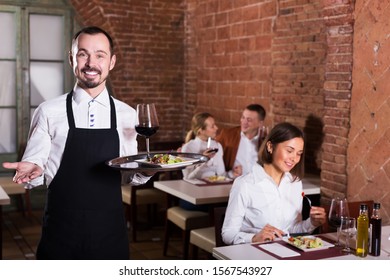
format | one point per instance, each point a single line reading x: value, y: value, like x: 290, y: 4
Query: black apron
x: 84, y: 217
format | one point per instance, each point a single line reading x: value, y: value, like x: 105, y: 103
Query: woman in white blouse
x: 203, y: 127
x: 267, y: 202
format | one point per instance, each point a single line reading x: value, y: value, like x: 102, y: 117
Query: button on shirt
x: 49, y: 129
x: 255, y: 201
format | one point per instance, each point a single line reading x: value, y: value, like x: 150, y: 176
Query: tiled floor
x: 21, y: 236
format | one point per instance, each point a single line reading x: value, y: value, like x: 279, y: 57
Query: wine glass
x: 264, y: 132
x: 147, y: 123
x: 338, y: 209
x: 348, y: 230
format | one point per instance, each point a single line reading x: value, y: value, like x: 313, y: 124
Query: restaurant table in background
x: 4, y: 200
x: 249, y: 252
x: 214, y: 193
x: 196, y: 194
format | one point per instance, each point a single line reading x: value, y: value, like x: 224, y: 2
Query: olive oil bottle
x: 362, y: 232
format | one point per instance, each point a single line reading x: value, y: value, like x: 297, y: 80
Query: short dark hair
x: 279, y: 133
x: 91, y: 30
x: 258, y: 109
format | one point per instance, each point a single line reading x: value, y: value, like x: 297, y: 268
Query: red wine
x: 213, y: 151
x: 335, y: 222
x: 146, y: 131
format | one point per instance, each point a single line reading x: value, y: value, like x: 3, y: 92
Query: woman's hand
x: 268, y: 233
x: 25, y: 171
x: 317, y: 216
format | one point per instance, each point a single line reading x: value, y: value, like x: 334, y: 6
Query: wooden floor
x: 21, y: 236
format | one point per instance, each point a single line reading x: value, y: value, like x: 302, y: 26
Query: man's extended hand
x: 25, y: 171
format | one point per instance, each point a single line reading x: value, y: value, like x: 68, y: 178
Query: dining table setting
x: 282, y: 249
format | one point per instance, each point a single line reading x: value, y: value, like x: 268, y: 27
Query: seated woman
x: 203, y: 127
x: 267, y: 202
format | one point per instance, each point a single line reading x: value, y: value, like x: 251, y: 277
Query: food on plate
x: 165, y: 159
x: 305, y: 242
x: 216, y: 178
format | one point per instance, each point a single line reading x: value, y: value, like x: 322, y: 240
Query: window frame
x: 22, y: 11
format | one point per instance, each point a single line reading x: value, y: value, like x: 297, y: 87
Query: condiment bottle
x: 376, y: 230
x: 362, y: 232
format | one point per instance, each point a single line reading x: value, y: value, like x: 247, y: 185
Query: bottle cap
x: 377, y: 205
x: 363, y: 207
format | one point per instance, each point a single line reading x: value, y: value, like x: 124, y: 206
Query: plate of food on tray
x: 307, y: 243
x: 217, y: 179
x: 161, y: 161
x: 167, y: 160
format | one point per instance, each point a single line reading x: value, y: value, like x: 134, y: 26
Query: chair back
x: 219, y: 217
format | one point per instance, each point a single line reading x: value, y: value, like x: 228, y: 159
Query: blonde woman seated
x: 267, y: 202
x: 202, y: 127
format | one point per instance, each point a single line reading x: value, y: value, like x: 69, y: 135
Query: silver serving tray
x: 134, y: 163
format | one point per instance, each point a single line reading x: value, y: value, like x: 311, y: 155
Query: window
x: 33, y: 66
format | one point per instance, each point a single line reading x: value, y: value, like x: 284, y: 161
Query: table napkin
x: 195, y: 181
x: 279, y: 250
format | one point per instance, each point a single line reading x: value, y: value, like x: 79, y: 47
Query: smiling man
x: 71, y: 138
x: 241, y: 143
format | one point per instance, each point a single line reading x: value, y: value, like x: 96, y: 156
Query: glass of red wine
x: 338, y: 210
x: 146, y: 123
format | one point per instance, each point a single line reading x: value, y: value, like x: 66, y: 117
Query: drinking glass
x: 348, y: 230
x: 146, y: 123
x: 338, y: 209
x: 264, y: 132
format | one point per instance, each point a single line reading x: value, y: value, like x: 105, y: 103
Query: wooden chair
x: 209, y: 237
x: 354, y: 208
x: 134, y: 196
x: 186, y: 220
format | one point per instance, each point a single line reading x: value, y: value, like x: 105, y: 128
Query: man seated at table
x: 267, y: 202
x: 241, y: 143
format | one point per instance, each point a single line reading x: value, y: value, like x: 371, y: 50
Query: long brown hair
x: 283, y: 132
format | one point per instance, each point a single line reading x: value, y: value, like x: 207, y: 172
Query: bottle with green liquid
x: 362, y: 232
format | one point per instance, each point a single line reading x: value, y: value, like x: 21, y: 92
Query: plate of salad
x: 167, y: 160
x: 307, y: 243
x: 160, y: 161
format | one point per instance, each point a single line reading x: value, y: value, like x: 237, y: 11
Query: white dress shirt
x: 255, y: 201
x: 49, y: 129
x: 214, y: 166
x: 247, y: 153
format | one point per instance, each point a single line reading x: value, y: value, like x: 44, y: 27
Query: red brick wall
x: 149, y: 39
x: 369, y: 146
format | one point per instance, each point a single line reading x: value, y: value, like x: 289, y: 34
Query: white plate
x: 185, y: 162
x: 326, y: 245
x: 221, y: 179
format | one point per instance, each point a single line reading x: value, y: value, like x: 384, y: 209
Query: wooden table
x: 207, y: 194
x: 4, y: 200
x: 218, y: 193
x: 249, y: 252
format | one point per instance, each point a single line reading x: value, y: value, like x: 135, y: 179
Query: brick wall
x: 149, y: 38
x: 368, y: 153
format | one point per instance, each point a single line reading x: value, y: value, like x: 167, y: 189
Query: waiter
x: 70, y: 139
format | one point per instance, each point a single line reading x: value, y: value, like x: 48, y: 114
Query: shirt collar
x: 254, y: 139
x: 81, y: 96
x: 260, y: 174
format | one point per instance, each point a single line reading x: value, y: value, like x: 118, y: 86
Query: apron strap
x: 69, y: 111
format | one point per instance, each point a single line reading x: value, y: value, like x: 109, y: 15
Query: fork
x: 308, y: 199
